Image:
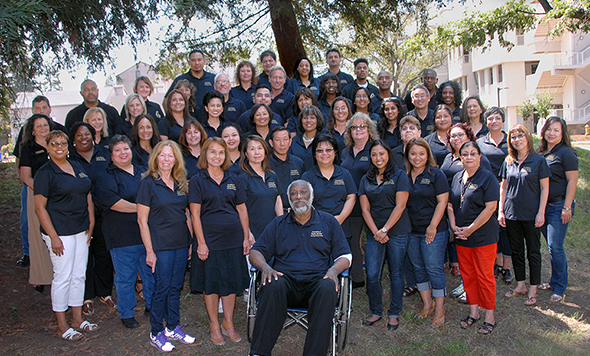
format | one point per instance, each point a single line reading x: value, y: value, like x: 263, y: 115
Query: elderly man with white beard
x: 310, y: 251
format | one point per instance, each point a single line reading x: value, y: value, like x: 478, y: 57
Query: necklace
x: 216, y: 177
x: 307, y: 140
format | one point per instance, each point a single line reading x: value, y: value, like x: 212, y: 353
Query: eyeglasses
x: 517, y: 136
x: 458, y: 135
x: 361, y: 127
x: 423, y: 96
x: 469, y: 154
x: 59, y: 144
x: 327, y: 150
x: 223, y: 82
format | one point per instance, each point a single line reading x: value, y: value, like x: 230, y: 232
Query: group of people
x: 294, y: 171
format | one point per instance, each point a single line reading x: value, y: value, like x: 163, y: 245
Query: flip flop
x: 71, y: 335
x: 530, y: 301
x: 513, y: 293
x: 87, y: 326
x: 486, y: 328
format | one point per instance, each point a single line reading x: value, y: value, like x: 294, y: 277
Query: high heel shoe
x: 216, y: 340
x: 425, y: 313
x: 230, y: 332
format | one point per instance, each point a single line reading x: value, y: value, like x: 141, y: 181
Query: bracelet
x: 566, y: 209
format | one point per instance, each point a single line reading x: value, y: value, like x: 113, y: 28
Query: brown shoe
x: 88, y: 307
x: 455, y: 271
x: 108, y: 301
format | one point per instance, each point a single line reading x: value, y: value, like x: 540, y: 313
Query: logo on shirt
x: 313, y: 88
x: 82, y: 175
x: 294, y: 172
x: 364, y: 159
x: 527, y: 169
x: 207, y: 84
x: 275, y: 122
x: 550, y: 158
x: 280, y: 101
x: 317, y: 233
x: 40, y: 152
x: 425, y: 181
x: 389, y: 182
x: 339, y: 182
x: 158, y: 115
x: 272, y: 185
x: 343, y: 81
x: 179, y: 193
x: 459, y: 163
x: 100, y: 159
x: 472, y: 186
x: 230, y: 186
x: 504, y: 145
x: 429, y: 128
x: 231, y: 108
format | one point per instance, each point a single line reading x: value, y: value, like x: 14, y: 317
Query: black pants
x: 521, y: 233
x: 99, y: 271
x: 316, y: 294
x: 356, y: 270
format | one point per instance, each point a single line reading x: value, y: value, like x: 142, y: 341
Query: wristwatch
x: 384, y: 230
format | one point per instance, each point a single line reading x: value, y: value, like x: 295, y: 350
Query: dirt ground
x: 28, y: 325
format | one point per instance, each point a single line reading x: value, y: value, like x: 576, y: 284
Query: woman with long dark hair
x: 191, y: 139
x: 144, y: 136
x: 176, y: 104
x: 330, y: 89
x: 472, y: 114
x: 450, y: 94
x: 390, y: 113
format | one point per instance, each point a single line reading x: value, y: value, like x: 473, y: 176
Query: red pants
x: 477, y: 270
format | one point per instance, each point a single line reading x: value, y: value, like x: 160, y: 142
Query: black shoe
x: 392, y: 327
x: 369, y: 323
x: 39, y: 288
x: 356, y: 285
x: 23, y: 262
x: 146, y: 311
x: 130, y: 323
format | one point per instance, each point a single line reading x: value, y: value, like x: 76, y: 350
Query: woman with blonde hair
x: 134, y: 106
x: 164, y: 225
x: 97, y: 118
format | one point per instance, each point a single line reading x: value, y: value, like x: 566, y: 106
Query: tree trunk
x: 286, y: 31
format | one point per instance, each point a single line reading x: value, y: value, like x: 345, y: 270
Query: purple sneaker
x: 179, y: 334
x: 161, y: 342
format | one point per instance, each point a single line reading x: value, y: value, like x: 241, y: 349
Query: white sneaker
x: 458, y: 291
x: 462, y: 298
x: 161, y: 342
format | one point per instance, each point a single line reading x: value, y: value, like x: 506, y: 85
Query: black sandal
x: 507, y: 275
x: 468, y: 321
x: 497, y: 270
x: 408, y: 291
x: 139, y: 288
x: 486, y: 328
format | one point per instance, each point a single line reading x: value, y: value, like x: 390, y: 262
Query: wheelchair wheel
x: 342, y: 317
x: 252, y: 306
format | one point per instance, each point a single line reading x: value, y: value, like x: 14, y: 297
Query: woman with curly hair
x: 450, y: 94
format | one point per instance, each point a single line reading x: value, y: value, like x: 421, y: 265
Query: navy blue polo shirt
x: 345, y: 78
x: 67, y: 197
x: 330, y: 194
x: 153, y: 109
x: 483, y: 132
x: 190, y: 163
x: 324, y: 108
x: 203, y: 85
x: 210, y: 130
x: 561, y: 159
x: 219, y: 215
x: 426, y: 124
x: 245, y: 96
x: 34, y: 156
x: 438, y: 148
x: 141, y: 157
x: 393, y: 139
x: 382, y: 200
x: 77, y: 115
x: 101, y: 158
x: 246, y: 126
x: 261, y: 198
x: 296, y: 84
x: 397, y: 154
x: 114, y: 184
x: 357, y: 165
x: 479, y: 189
x: 282, y: 104
x: 451, y: 166
x: 495, y: 154
x: 348, y: 90
x: 167, y: 217
x: 293, y: 125
x: 172, y: 132
x: 125, y: 127
x: 235, y: 167
x: 287, y: 171
x: 233, y: 109
x: 524, y: 186
x: 298, y: 149
x: 339, y: 139
x: 422, y: 201
x: 456, y: 115
x: 303, y: 250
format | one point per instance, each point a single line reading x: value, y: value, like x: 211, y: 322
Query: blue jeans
x: 128, y: 261
x: 24, y: 221
x: 428, y: 260
x: 168, y: 278
x: 395, y: 250
x: 554, y: 231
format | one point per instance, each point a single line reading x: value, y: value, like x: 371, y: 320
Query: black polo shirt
x: 524, y: 186
x: 495, y: 154
x: 54, y: 126
x: 125, y: 127
x: 235, y: 167
x: 393, y: 139
x: 438, y: 148
x: 298, y: 149
x: 246, y: 126
x: 172, y: 132
x: 261, y: 198
x: 426, y: 124
x: 348, y: 91
x: 114, y: 184
x: 245, y: 96
x: 287, y: 171
x: 219, y: 215
x: 190, y: 163
x: 382, y: 199
x: 141, y: 157
x: 456, y: 115
x: 99, y: 162
x: 422, y: 201
x: 34, y: 156
x: 303, y: 250
x: 561, y: 159
x: 210, y: 130
x: 167, y: 217
x: 203, y: 85
x: 153, y: 109
x: 67, y: 197
x: 282, y: 104
x: 397, y: 154
x: 451, y: 166
x: 345, y: 78
x: 77, y: 115
x: 104, y: 142
x: 329, y: 195
x: 296, y: 84
x: 479, y: 189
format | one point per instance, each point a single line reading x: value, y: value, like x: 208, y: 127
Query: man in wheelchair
x: 310, y: 251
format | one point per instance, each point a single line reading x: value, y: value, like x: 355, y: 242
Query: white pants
x: 69, y: 271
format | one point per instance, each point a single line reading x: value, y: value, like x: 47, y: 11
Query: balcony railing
x: 574, y: 58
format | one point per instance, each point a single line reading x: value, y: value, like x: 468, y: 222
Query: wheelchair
x: 298, y: 316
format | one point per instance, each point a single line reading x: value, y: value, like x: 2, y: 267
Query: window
x: 530, y: 67
x: 492, y: 75
x: 465, y: 56
x: 519, y: 37
x: 500, y: 74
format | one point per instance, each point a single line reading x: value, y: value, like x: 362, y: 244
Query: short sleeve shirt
x: 524, y: 186
x: 282, y: 104
x: 426, y: 124
x: 34, y: 156
x: 439, y: 149
x: 382, y: 198
x: 561, y: 159
x: 261, y: 198
x: 67, y: 197
x: 422, y: 201
x: 167, y: 216
x: 98, y: 163
x: 172, y: 132
x: 495, y: 154
x: 287, y: 171
x: 190, y: 163
x: 452, y: 166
